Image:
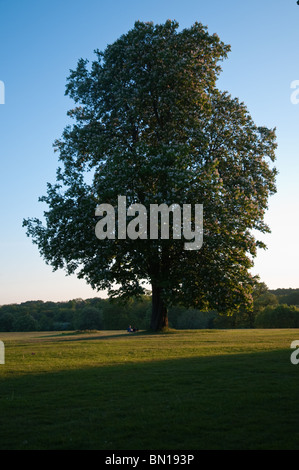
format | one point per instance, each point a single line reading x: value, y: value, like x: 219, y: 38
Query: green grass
x: 184, y: 390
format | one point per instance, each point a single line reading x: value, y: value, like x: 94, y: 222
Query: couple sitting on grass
x: 131, y: 330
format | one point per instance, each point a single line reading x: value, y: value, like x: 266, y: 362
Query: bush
x: 6, y: 322
x: 88, y: 318
x: 282, y: 316
x: 25, y: 323
x: 195, y: 319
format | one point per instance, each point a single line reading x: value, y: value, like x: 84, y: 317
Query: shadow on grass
x: 245, y: 401
x: 90, y: 335
x: 113, y: 334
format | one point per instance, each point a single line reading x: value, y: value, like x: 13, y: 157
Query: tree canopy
x: 150, y: 124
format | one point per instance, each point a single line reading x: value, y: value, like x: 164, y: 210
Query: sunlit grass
x: 205, y: 389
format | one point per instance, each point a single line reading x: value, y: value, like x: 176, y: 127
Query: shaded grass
x: 181, y: 390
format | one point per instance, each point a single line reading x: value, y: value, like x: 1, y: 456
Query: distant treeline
x: 272, y: 309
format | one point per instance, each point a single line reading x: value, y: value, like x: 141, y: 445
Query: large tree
x: 151, y: 125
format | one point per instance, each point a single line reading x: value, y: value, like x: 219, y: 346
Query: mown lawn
x: 184, y: 390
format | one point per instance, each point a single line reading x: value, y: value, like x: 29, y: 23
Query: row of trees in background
x: 272, y: 309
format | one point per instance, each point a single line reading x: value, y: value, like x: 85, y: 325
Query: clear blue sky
x: 41, y: 40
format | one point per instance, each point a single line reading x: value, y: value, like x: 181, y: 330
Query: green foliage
x: 151, y: 125
x: 88, y: 318
x: 195, y: 319
x: 282, y: 316
x: 24, y: 323
x: 98, y: 314
x: 266, y: 299
x: 6, y: 321
x: 89, y: 314
x: 182, y: 318
x: 287, y: 296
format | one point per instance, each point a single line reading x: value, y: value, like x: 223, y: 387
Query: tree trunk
x: 159, y: 310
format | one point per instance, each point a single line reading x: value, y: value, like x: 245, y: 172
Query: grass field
x: 183, y: 390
